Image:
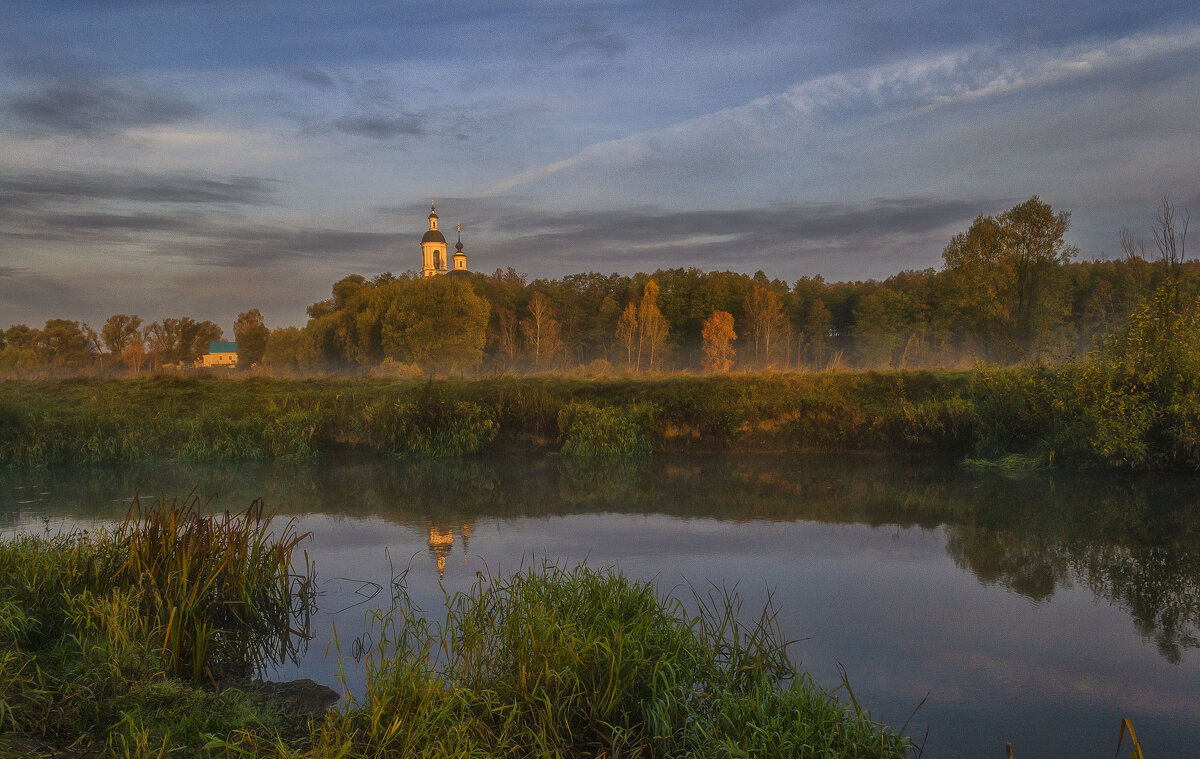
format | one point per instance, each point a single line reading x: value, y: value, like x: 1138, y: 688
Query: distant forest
x: 1009, y: 291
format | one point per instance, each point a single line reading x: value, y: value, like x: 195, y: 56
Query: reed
x: 588, y: 430
x: 432, y: 427
x: 105, y: 636
x: 221, y: 591
x: 550, y: 662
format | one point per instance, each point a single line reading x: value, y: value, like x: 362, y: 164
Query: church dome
x: 433, y: 236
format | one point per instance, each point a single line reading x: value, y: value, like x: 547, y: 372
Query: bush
x: 1138, y: 393
x: 433, y: 428
x: 589, y: 430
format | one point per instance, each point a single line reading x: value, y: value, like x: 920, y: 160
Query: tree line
x: 1009, y: 291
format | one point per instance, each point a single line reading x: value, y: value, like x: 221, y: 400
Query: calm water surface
x: 1035, y: 609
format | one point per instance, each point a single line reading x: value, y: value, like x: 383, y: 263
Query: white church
x: 433, y: 250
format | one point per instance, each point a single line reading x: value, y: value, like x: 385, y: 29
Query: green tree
x: 66, y: 344
x: 440, y: 323
x: 284, y: 352
x: 1004, y: 276
x: 764, y: 322
x: 120, y: 331
x: 251, y: 336
x: 1033, y: 239
x: 20, y: 356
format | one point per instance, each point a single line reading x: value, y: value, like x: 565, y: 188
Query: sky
x: 203, y: 158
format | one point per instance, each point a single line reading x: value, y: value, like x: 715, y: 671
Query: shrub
x: 589, y: 430
x: 434, y: 428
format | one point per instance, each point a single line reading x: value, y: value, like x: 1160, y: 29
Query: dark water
x: 1036, y: 609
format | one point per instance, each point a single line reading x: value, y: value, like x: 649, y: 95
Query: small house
x: 220, y: 354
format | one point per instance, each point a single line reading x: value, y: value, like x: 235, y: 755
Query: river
x: 1037, y: 609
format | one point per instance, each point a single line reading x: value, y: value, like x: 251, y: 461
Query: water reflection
x: 1134, y: 542
x: 1022, y: 604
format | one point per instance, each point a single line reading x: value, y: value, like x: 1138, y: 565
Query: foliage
x: 718, y: 338
x: 251, y: 336
x: 438, y: 322
x: 106, y: 635
x: 551, y: 662
x: 588, y: 430
x: 433, y: 427
x: 1003, y: 274
x: 1140, y: 391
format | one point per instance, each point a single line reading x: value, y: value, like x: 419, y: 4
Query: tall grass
x: 221, y: 591
x: 571, y: 663
x: 1074, y: 415
x: 432, y: 427
x: 588, y: 430
x: 105, y: 635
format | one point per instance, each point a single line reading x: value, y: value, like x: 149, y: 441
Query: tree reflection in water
x: 1134, y: 542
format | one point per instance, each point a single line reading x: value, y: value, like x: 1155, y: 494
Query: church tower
x: 460, y: 258
x: 433, y: 248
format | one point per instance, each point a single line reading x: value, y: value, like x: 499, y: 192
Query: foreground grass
x: 585, y: 663
x: 547, y: 662
x: 109, y: 639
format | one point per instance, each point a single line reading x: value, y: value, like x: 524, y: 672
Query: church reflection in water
x: 441, y: 542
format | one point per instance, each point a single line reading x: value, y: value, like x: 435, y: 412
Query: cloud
x: 871, y: 238
x: 170, y: 187
x: 589, y: 40
x: 382, y: 127
x: 86, y: 107
x: 264, y: 246
x: 312, y: 76
x: 837, y: 102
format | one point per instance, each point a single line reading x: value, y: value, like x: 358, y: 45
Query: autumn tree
x: 508, y: 335
x: 718, y: 337
x: 652, y: 327
x: 134, y: 356
x: 541, y: 330
x: 764, y: 321
x: 120, y: 331
x: 251, y: 336
x: 627, y: 332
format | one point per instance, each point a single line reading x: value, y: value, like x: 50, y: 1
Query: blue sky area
x: 202, y: 158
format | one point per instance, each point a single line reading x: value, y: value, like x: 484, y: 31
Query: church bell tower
x: 433, y: 248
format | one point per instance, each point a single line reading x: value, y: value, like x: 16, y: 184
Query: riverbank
x: 45, y: 423
x: 1088, y: 414
x: 545, y: 662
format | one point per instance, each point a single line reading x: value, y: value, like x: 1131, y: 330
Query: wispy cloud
x: 588, y: 40
x: 85, y: 107
x: 894, y: 90
x: 382, y: 127
x: 172, y: 187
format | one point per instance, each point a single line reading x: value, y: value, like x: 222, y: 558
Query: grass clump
x: 433, y: 427
x: 110, y: 640
x: 585, y: 663
x: 589, y: 430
